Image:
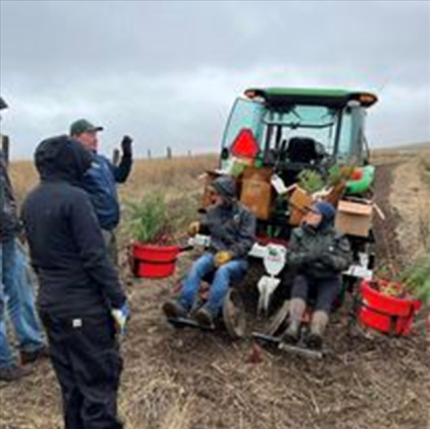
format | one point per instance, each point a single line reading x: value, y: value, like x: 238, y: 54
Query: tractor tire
x: 279, y: 321
x: 233, y: 314
x: 248, y: 286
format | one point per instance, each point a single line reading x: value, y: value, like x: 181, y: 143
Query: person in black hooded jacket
x: 80, y: 299
x: 318, y: 255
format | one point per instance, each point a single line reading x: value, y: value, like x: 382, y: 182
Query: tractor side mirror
x: 225, y: 154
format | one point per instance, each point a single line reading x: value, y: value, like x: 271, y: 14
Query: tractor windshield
x: 273, y: 126
x: 316, y: 122
x: 337, y: 131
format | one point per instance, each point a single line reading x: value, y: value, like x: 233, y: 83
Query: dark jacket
x: 231, y: 226
x: 66, y: 245
x: 319, y: 253
x: 100, y: 183
x: 9, y: 224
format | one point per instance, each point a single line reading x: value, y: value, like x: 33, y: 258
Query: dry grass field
x: 192, y: 380
x: 170, y: 175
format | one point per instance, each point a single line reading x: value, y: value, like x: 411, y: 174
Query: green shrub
x: 157, y: 220
x: 417, y: 279
x: 148, y: 219
x: 311, y: 181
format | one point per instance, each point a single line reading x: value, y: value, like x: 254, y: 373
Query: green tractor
x: 276, y: 138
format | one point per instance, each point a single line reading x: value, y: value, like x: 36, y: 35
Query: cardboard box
x: 354, y: 218
x: 299, y: 203
x: 336, y: 194
x: 257, y: 196
x: 256, y: 190
x: 261, y: 174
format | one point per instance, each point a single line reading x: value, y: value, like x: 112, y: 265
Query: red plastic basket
x: 386, y: 313
x: 152, y: 261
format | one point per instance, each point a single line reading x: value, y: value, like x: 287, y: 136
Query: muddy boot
x: 14, y: 373
x: 174, y: 309
x: 297, y: 308
x: 204, y: 317
x: 318, y: 324
x: 27, y: 357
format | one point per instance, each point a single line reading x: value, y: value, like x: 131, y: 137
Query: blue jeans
x: 17, y: 297
x: 224, y: 275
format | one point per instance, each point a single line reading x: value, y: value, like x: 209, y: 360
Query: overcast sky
x: 167, y: 72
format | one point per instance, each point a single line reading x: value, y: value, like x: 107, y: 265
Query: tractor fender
x: 364, y: 183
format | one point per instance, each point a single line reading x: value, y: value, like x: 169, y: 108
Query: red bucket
x: 154, y: 261
x: 386, y: 313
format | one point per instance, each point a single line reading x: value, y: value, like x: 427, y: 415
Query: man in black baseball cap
x: 83, y: 126
x: 101, y: 179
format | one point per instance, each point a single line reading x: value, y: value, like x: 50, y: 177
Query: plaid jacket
x: 8, y: 210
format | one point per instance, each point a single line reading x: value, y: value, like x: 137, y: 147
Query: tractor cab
x: 294, y: 129
x: 280, y: 134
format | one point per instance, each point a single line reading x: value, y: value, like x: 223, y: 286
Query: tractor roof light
x: 250, y: 93
x: 367, y: 99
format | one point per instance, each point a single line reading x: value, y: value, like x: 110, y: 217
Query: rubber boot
x: 173, y: 310
x: 318, y: 325
x: 297, y: 308
x: 204, y: 317
x: 14, y: 373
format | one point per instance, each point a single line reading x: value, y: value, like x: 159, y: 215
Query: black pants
x: 320, y: 293
x: 86, y: 359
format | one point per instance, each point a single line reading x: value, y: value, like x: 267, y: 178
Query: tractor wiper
x: 294, y: 112
x: 294, y: 125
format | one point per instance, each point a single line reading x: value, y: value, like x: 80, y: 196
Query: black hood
x: 3, y: 104
x: 62, y: 158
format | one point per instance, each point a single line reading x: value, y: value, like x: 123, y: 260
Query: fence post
x: 115, y: 156
x: 5, y: 146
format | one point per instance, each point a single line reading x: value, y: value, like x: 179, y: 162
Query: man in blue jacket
x: 101, y: 179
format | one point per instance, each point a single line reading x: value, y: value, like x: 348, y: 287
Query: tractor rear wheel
x: 233, y: 314
x: 278, y: 323
x: 248, y: 286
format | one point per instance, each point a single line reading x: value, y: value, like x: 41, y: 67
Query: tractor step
x: 299, y: 349
x: 271, y: 339
x: 183, y: 322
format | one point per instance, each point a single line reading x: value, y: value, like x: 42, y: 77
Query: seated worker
x: 318, y: 255
x: 232, y: 231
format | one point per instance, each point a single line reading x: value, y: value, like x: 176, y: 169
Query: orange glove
x: 193, y: 229
x: 222, y: 258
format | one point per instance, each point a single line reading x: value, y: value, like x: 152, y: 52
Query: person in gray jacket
x: 231, y: 227
x: 16, y: 292
x: 318, y: 255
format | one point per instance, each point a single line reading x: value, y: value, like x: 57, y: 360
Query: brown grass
x: 179, y: 173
